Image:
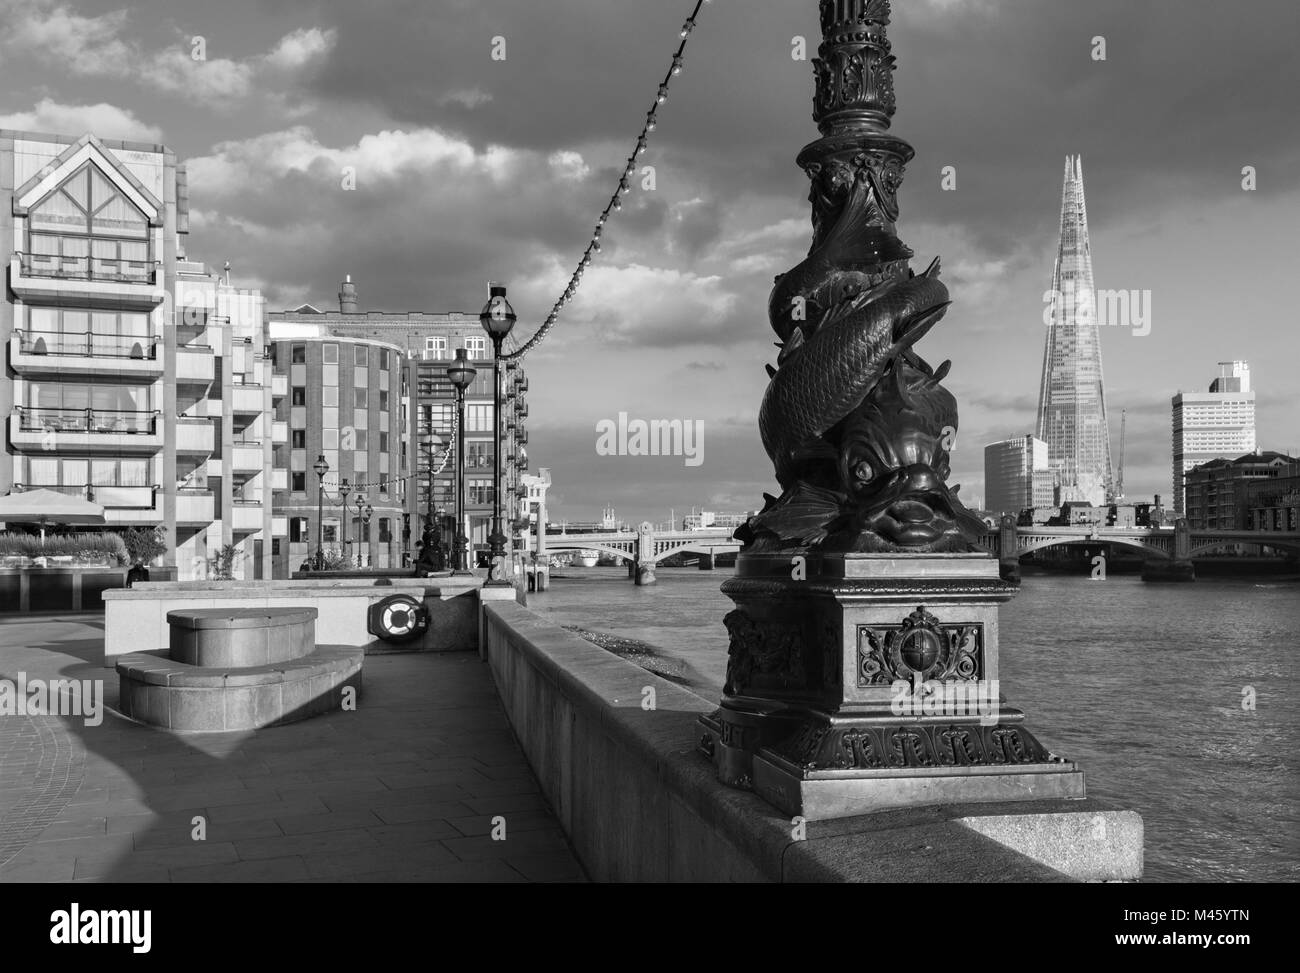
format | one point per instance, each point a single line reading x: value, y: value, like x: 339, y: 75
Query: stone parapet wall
x: 640, y: 804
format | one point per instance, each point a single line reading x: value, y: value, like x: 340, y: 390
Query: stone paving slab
x: 404, y: 789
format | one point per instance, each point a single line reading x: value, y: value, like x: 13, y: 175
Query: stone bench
x: 235, y: 637
x: 166, y: 693
x: 237, y: 669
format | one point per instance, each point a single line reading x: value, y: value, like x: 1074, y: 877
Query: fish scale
x: 835, y: 370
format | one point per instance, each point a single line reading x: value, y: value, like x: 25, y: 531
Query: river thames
x: 1142, y: 684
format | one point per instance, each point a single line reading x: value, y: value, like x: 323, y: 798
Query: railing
x: 88, y: 268
x: 89, y: 344
x: 197, y: 317
x: 99, y: 421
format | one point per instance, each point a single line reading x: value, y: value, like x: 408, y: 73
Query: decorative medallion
x: 920, y: 646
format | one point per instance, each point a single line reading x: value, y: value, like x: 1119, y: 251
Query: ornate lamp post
x: 862, y: 669
x: 497, y: 318
x: 461, y: 373
x: 364, y: 512
x: 321, y: 467
x: 345, y: 491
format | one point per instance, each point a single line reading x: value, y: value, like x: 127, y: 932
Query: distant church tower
x: 1072, y: 398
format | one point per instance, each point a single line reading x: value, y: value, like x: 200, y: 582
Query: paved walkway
x: 405, y: 789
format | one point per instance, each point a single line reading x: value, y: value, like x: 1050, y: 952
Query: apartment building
x: 136, y: 377
x: 1217, y: 424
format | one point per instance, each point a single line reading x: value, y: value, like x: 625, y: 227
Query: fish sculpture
x: 857, y: 425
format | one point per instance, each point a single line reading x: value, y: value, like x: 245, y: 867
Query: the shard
x: 1072, y: 398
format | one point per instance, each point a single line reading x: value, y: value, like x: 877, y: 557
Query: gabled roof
x: 104, y: 157
x: 305, y: 309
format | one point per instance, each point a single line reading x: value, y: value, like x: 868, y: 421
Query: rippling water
x: 1141, y: 684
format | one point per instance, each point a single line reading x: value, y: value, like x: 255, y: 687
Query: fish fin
x: 916, y: 327
x: 933, y: 269
x: 771, y: 372
x: 792, y: 345
x: 942, y: 371
x: 803, y: 515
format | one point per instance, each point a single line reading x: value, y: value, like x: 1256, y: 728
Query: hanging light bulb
x: 677, y: 64
x: 651, y: 123
x: 641, y: 145
x: 687, y: 28
x: 663, y: 94
x: 618, y: 203
x: 595, y: 245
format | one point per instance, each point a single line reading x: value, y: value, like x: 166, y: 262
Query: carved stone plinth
x: 863, y: 681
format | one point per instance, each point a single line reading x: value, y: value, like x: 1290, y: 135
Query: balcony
x: 55, y: 354
x: 82, y: 281
x: 247, y: 400
x: 279, y: 386
x: 195, y: 365
x: 246, y: 516
x: 195, y: 507
x: 195, y: 437
x: 279, y: 433
x: 93, y: 430
x: 246, y: 457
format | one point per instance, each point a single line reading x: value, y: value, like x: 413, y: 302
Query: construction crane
x: 1123, y: 434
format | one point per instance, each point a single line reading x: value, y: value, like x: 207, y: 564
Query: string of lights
x: 624, y: 187
x: 363, y: 486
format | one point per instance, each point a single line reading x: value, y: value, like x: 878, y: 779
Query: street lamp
x: 460, y: 373
x: 344, y: 491
x: 497, y: 318
x: 364, y: 512
x: 321, y: 467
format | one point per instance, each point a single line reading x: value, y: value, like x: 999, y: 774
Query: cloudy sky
x: 470, y: 168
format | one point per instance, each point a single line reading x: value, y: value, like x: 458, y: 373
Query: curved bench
x: 238, y: 669
x: 241, y: 637
x: 163, y: 692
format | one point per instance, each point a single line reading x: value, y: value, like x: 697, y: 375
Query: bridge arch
x: 1284, y: 544
x: 555, y: 548
x: 695, y: 547
x: 1041, y: 544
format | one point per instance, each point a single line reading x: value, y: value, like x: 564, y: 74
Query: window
x: 298, y: 355
x: 383, y: 442
x: 383, y: 359
x: 300, y: 483
x: 360, y: 398
x: 300, y: 439
x: 383, y: 401
x: 89, y: 228
x: 299, y: 395
x: 363, y: 355
x: 385, y: 530
x: 329, y: 354
x: 359, y: 439
x: 476, y: 347
x: 331, y: 531
x: 478, y: 418
x: 435, y: 348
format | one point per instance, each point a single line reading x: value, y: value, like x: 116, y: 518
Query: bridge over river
x: 1168, y: 550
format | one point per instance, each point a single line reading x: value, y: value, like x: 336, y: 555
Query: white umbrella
x: 46, y: 507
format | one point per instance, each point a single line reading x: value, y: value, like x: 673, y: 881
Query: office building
x: 1016, y: 476
x: 1218, y: 424
x: 429, y: 342
x: 1221, y: 493
x: 1072, y: 396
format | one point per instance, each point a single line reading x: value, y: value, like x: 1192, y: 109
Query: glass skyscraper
x: 1072, y: 398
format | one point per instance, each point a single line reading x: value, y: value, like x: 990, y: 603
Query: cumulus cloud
x: 101, y: 46
x: 103, y: 119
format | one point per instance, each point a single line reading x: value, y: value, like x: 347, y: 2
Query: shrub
x: 223, y: 563
x: 82, y: 547
x: 144, y: 544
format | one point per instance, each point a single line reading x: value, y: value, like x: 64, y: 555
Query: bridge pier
x: 706, y: 562
x: 1008, y: 551
x: 631, y: 569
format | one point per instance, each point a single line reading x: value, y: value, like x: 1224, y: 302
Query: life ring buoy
x: 399, y: 618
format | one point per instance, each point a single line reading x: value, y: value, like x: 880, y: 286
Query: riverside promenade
x: 408, y: 788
